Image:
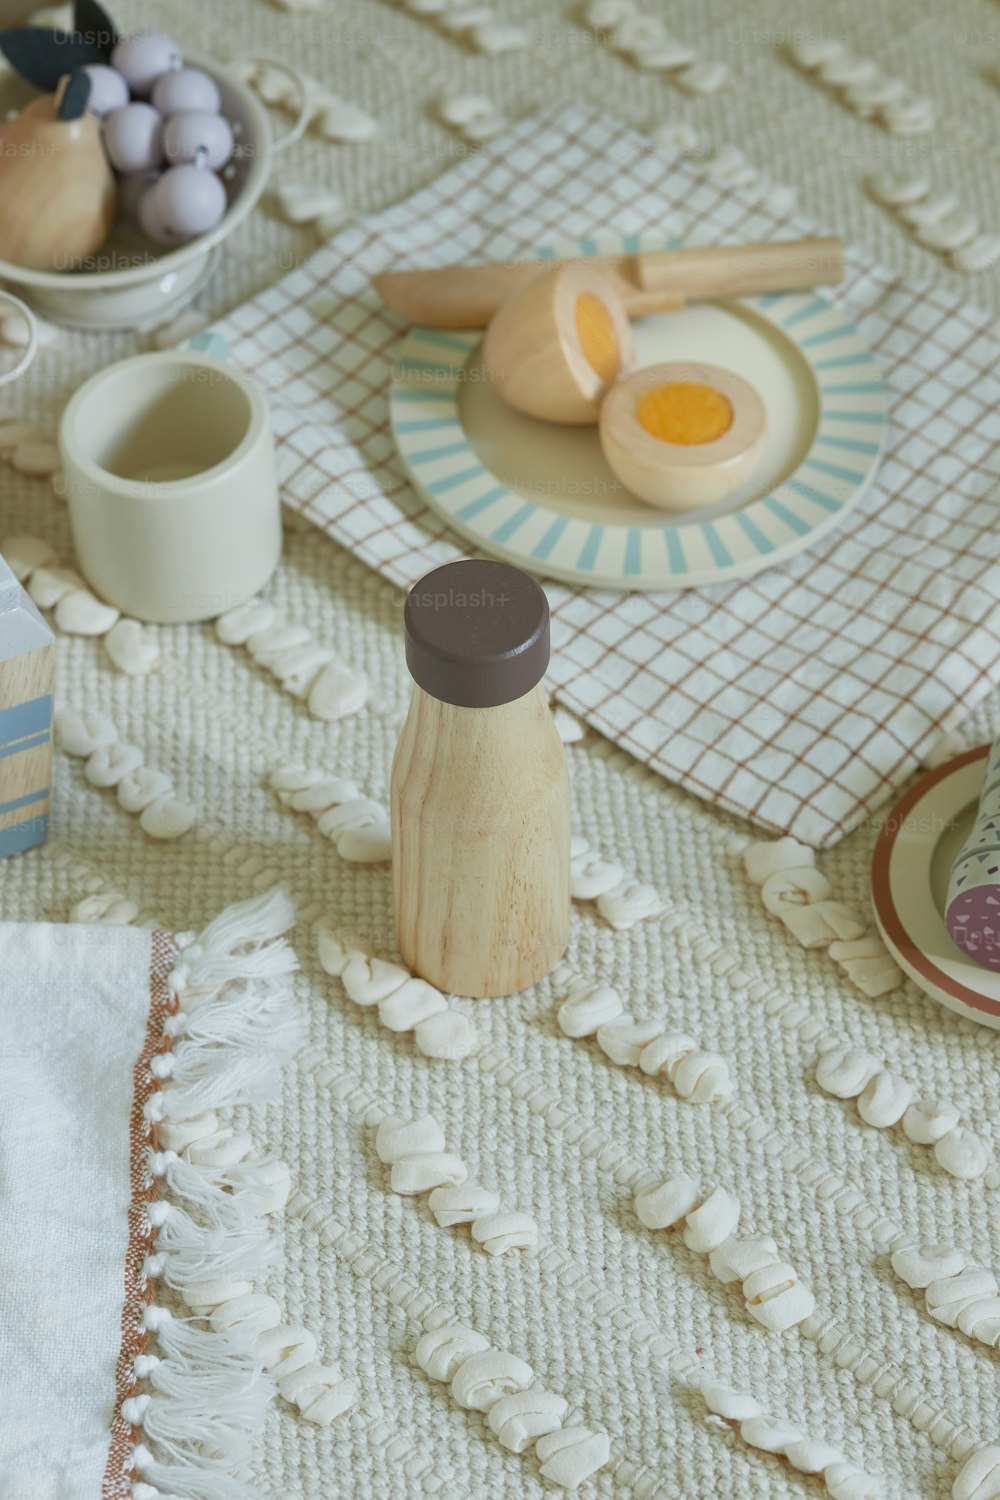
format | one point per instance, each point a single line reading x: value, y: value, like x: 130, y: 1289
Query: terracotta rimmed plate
x: 916, y: 849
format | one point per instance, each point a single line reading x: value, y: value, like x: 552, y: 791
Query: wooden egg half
x: 556, y: 344
x: 682, y: 435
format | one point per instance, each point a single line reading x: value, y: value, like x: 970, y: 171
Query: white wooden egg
x: 681, y: 435
x: 556, y: 344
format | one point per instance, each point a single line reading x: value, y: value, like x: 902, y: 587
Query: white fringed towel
x: 110, y: 1034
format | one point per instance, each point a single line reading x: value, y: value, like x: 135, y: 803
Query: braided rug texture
x: 615, y: 1317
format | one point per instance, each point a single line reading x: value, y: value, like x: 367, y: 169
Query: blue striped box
x: 27, y: 671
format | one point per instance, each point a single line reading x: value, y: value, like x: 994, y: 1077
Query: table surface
x: 581, y: 1309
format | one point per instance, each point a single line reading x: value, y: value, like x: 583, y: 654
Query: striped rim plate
x: 648, y: 550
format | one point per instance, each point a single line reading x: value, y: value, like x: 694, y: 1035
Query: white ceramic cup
x: 171, y: 484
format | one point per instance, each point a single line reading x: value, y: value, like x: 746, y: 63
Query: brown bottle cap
x: 477, y: 633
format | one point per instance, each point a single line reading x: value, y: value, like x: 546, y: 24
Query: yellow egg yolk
x: 596, y: 335
x: 685, y: 412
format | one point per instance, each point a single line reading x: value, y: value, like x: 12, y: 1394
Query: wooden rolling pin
x: 655, y: 281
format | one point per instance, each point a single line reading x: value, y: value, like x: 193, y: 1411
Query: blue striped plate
x: 542, y: 496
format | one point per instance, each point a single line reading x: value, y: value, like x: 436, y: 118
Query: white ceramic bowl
x: 128, y: 283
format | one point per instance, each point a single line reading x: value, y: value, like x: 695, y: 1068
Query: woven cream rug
x: 618, y: 1319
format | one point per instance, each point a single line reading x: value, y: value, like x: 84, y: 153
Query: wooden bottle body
x: 480, y: 844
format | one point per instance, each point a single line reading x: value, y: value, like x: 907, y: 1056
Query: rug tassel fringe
x: 216, y: 956
x: 188, y: 1253
x: 236, y: 1026
x: 201, y: 1397
x: 170, y: 1481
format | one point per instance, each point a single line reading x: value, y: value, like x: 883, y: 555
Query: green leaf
x: 73, y: 103
x: 92, y: 22
x: 43, y: 57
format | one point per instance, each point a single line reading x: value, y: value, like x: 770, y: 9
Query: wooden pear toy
x: 56, y: 186
x: 681, y: 435
x: 558, y: 342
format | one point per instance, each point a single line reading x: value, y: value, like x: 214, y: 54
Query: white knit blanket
x: 615, y: 1318
x: 737, y: 1238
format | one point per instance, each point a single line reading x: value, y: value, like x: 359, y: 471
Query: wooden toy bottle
x: 480, y: 792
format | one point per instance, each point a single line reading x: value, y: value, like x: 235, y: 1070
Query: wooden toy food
x: 479, y: 791
x: 184, y: 89
x: 199, y: 136
x: 557, y: 343
x: 27, y: 678
x: 972, y: 913
x: 133, y: 138
x: 150, y: 112
x: 653, y: 281
x: 143, y: 58
x: 108, y: 89
x: 57, y: 189
x: 181, y: 204
x: 681, y: 435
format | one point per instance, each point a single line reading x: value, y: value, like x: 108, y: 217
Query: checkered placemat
x: 800, y: 698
